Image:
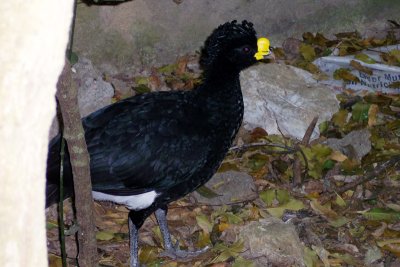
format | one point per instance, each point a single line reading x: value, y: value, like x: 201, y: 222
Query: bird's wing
x: 145, y: 144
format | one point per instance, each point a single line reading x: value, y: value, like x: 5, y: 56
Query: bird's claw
x: 177, y: 254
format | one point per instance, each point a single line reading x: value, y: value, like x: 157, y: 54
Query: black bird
x: 151, y: 149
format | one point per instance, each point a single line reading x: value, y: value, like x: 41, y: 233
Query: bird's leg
x: 172, y: 251
x: 133, y: 242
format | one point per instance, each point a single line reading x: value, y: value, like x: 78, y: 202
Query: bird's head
x: 233, y: 46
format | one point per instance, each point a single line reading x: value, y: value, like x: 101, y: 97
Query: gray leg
x: 173, y: 251
x: 133, y: 242
x: 161, y: 216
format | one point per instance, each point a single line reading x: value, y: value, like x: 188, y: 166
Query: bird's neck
x: 221, y: 100
x: 221, y: 105
x: 223, y: 87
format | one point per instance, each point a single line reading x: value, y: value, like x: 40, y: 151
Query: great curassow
x: 151, y: 149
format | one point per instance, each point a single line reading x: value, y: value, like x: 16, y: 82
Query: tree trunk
x: 33, y: 40
x: 67, y: 95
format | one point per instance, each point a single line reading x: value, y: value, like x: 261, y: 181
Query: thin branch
x: 370, y: 176
x: 74, y: 135
x: 304, y: 158
x: 244, y: 201
x: 262, y: 144
x: 309, y: 131
x: 61, y: 205
x: 297, y: 174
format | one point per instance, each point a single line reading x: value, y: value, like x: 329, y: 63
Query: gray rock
x: 271, y: 242
x: 231, y: 186
x: 93, y: 92
x: 354, y: 145
x: 275, y: 93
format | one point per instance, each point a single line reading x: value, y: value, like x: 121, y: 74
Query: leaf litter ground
x: 346, y: 209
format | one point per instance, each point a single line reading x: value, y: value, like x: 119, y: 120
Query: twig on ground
x: 297, y: 173
x: 244, y: 201
x: 368, y: 177
x: 309, y: 131
x: 263, y: 144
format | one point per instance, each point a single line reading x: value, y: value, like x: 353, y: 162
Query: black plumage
x: 165, y: 143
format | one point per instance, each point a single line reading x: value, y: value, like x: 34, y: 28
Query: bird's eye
x: 246, y: 49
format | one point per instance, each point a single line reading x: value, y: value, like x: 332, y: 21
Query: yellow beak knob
x: 263, y: 48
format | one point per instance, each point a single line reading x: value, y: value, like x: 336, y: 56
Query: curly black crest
x: 222, y: 36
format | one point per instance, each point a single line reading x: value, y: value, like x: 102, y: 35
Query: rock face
x: 231, y: 186
x: 275, y: 93
x: 146, y: 32
x: 272, y: 243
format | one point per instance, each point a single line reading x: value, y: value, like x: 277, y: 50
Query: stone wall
x: 153, y: 32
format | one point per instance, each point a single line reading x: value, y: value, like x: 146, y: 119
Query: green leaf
x: 148, y: 254
x: 203, y: 239
x: 322, y: 253
x: 308, y: 52
x: 141, y: 80
x: 340, y: 118
x: 72, y: 57
x: 320, y: 39
x: 380, y: 214
x: 227, y: 252
x: 340, y: 201
x: 381, y: 100
x: 275, y: 196
x: 257, y: 161
x: 293, y: 204
x: 323, y: 127
x: 104, y: 235
x: 321, y: 151
x: 360, y: 112
x: 227, y: 166
x: 364, y: 58
x: 339, y: 222
x: 51, y: 224
x: 385, y: 242
x: 345, y: 75
x: 360, y: 67
x: 204, y: 223
x: 167, y: 69
x: 141, y: 89
x: 347, y: 258
x: 206, y: 192
x: 232, y: 218
x: 316, y: 156
x: 310, y: 257
x: 242, y: 262
x: 328, y: 164
x: 395, y: 53
x: 308, y: 37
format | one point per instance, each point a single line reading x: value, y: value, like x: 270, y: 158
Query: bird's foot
x: 176, y: 253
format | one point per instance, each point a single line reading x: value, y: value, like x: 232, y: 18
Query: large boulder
x: 284, y: 98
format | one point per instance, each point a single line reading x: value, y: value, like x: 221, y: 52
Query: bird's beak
x: 263, y: 49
